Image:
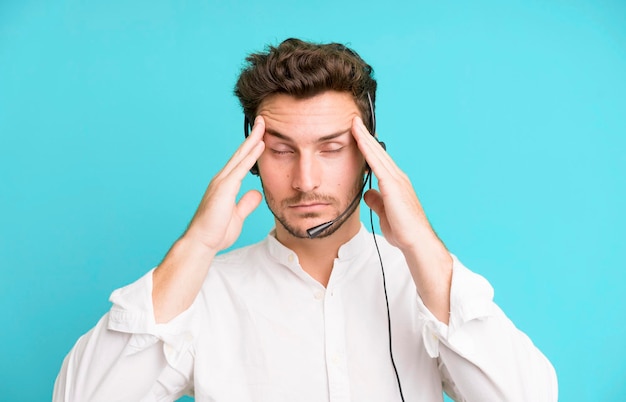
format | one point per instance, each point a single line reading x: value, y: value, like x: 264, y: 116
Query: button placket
x: 336, y: 363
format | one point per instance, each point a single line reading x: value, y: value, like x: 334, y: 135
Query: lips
x: 309, y: 206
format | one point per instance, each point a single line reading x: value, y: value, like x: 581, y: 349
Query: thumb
x: 374, y: 200
x: 248, y: 203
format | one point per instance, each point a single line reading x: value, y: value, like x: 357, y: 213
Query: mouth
x: 309, y: 207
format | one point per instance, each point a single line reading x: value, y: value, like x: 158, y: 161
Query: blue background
x: 508, y: 116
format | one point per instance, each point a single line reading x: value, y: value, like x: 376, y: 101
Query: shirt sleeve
x: 482, y: 356
x: 127, y: 356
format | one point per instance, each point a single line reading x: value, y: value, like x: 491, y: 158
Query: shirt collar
x: 352, y: 249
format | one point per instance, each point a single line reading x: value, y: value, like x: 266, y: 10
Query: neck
x: 317, y: 255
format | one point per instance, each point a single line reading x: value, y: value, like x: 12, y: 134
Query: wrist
x: 426, y: 247
x: 431, y: 268
x: 193, y: 248
x: 178, y: 279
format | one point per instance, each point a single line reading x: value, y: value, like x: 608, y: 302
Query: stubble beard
x: 277, y: 210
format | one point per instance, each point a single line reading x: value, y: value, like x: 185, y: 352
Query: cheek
x: 271, y: 171
x: 356, y: 163
x: 269, y: 167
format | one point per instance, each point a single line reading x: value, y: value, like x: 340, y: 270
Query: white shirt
x: 261, y: 329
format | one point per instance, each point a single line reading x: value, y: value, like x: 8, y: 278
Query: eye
x: 332, y: 148
x: 281, y: 151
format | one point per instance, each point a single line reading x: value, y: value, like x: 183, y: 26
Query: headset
x: 317, y: 230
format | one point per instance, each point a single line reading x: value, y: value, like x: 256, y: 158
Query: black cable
x: 393, y: 363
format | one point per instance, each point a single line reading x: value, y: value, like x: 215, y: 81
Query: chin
x: 300, y: 231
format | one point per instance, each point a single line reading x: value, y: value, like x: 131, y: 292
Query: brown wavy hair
x: 305, y: 69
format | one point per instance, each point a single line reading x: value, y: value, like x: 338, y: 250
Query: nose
x: 306, y: 174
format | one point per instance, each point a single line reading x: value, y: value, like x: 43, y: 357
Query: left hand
x: 404, y: 225
x: 402, y: 218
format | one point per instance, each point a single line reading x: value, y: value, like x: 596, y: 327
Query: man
x: 307, y: 316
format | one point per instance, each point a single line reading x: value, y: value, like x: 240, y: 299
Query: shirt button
x: 318, y: 294
x: 290, y: 258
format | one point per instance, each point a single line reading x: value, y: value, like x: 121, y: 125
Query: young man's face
x: 311, y: 168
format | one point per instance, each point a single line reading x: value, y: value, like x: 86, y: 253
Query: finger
x: 378, y: 151
x: 243, y: 167
x: 248, y: 203
x: 256, y: 135
x: 374, y: 154
x: 390, y: 177
x: 249, y: 145
x: 374, y: 200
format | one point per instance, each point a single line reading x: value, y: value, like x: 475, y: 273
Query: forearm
x: 102, y: 366
x: 178, y: 279
x: 431, y: 269
x: 483, y: 356
x: 127, y: 356
x: 215, y: 226
x: 491, y: 360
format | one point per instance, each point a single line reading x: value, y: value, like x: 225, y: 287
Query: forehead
x: 322, y: 114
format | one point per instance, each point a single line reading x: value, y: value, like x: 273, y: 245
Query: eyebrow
x: 324, y: 138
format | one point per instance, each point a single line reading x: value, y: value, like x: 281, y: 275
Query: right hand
x: 219, y: 218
